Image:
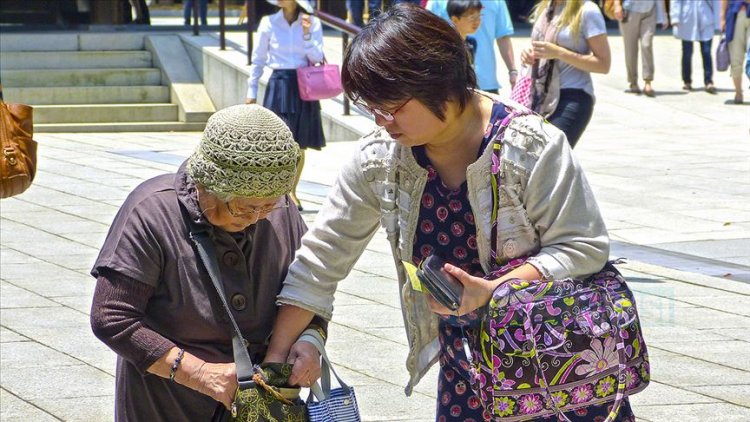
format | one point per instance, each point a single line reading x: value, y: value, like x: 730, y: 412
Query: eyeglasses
x: 387, y: 115
x: 244, y: 212
x: 472, y: 17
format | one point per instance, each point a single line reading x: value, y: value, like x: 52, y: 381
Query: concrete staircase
x: 103, y: 82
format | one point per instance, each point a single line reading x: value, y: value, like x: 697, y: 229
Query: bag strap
x: 497, y: 178
x: 322, y: 390
x: 207, y: 253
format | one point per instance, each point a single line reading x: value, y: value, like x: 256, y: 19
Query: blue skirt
x: 302, y: 117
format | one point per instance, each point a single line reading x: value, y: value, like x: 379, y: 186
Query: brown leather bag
x: 18, y: 154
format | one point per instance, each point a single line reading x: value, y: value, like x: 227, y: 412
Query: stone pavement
x: 672, y: 176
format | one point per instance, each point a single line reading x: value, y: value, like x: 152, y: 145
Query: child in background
x: 466, y: 16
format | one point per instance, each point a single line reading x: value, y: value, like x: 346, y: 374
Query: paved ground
x: 672, y: 175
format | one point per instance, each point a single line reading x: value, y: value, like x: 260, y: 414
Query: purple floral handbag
x: 548, y: 347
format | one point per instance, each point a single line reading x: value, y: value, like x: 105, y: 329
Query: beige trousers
x: 639, y: 27
x: 738, y: 45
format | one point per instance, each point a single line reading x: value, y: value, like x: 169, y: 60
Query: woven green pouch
x: 270, y: 400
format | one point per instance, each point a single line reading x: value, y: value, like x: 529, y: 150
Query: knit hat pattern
x: 245, y: 151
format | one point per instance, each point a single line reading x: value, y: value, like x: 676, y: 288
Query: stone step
x: 71, y: 42
x: 80, y: 77
x: 88, y: 95
x: 104, y: 113
x: 75, y: 59
x: 119, y: 127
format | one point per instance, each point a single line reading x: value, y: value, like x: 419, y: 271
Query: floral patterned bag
x: 548, y: 347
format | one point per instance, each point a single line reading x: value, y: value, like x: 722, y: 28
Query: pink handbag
x: 522, y: 90
x: 319, y: 82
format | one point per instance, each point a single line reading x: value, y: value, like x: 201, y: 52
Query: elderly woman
x: 154, y: 303
x: 425, y: 174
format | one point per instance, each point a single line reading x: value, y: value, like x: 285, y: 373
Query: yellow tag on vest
x: 411, y: 272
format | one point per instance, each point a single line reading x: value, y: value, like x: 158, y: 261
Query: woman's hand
x: 546, y: 50
x: 305, y: 358
x: 477, y: 292
x: 527, y: 56
x: 216, y: 380
x: 306, y: 24
x: 618, y: 11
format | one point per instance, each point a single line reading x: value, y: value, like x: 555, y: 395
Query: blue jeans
x: 573, y: 113
x: 187, y: 11
x: 687, y: 62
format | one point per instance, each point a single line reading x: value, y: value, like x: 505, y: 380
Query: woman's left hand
x: 546, y: 50
x: 477, y: 292
x: 306, y: 24
x: 305, y: 358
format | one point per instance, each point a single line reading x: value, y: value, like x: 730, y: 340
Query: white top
x: 695, y: 20
x: 592, y: 25
x: 282, y: 46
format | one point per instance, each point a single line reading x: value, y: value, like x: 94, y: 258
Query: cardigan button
x: 239, y: 301
x: 230, y: 259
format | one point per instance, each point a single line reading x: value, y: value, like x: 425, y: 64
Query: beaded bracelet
x: 175, y: 364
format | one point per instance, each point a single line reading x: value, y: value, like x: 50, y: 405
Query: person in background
x: 466, y: 16
x: 155, y: 304
x: 581, y: 47
x: 496, y: 27
x: 356, y: 8
x: 142, y: 15
x: 696, y: 20
x: 735, y: 23
x: 288, y: 39
x: 424, y: 175
x: 188, y: 9
x: 637, y: 20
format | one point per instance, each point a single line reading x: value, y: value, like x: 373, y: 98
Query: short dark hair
x: 408, y: 52
x: 458, y: 7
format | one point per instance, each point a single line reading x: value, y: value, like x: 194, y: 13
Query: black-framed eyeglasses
x: 244, y: 212
x: 387, y: 115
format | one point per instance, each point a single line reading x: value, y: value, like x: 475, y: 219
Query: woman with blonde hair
x: 568, y: 43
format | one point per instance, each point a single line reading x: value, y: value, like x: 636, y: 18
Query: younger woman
x: 289, y: 39
x: 425, y: 175
x: 572, y: 33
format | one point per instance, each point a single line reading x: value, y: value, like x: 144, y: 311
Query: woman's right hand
x: 618, y: 11
x: 527, y: 56
x: 218, y: 381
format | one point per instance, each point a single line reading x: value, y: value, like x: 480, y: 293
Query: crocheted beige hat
x: 246, y: 151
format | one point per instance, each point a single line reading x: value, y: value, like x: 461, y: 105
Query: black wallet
x: 445, y: 288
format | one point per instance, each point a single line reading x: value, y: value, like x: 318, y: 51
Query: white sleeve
x: 259, y: 57
x: 314, y: 46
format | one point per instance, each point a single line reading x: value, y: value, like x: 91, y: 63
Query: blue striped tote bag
x: 326, y: 404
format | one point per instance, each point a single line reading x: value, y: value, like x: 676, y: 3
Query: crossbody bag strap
x: 244, y: 365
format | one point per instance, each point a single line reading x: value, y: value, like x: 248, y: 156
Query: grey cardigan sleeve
x: 561, y: 205
x: 344, y: 226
